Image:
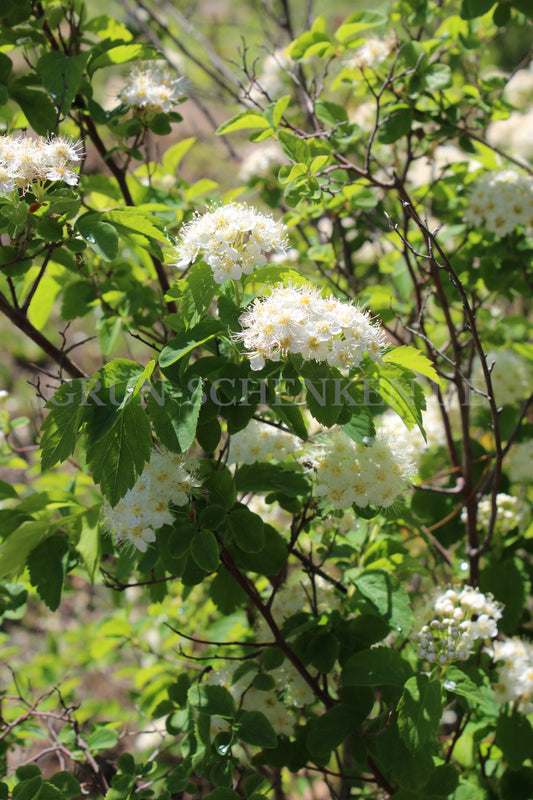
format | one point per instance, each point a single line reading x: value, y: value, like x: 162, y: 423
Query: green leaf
x: 100, y: 236
x: 514, y: 737
x: 195, y: 293
x: 37, y: 107
x: 360, y: 428
x: 384, y: 592
x: 89, y: 546
x: 47, y: 565
x: 271, y: 478
x: 204, y: 550
x: 331, y: 729
x: 67, y: 784
x: 380, y: 666
x: 246, y: 119
x: 15, y: 549
x: 254, y: 728
x: 222, y: 793
x: 103, y: 738
x: 120, y: 54
x: 6, y: 68
x: 472, y: 684
x: 61, y: 76
x: 279, y: 109
x: 60, y: 428
x: 117, y: 459
x: 396, y: 124
x: 323, y: 649
x: 28, y: 789
x: 397, y: 385
x: 226, y: 593
x: 419, y: 711
x: 185, y: 342
x: 355, y: 23
x: 216, y: 701
x: 524, y: 6
x: 322, y: 394
x: 131, y: 221
x: 247, y: 529
x: 294, y: 147
x: 413, y: 359
x: 174, y: 414
x: 475, y: 8
x: 7, y: 491
x: 438, y: 76
x: 270, y: 560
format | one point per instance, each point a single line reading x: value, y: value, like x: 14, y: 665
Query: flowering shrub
x: 265, y: 502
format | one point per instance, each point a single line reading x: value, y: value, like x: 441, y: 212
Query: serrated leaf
x: 61, y: 76
x: 117, y: 459
x: 195, y: 293
x: 37, y: 107
x: 419, y: 711
x: 59, y: 429
x: 294, y: 148
x: 15, y: 549
x: 247, y: 528
x: 174, y: 415
x: 380, y: 666
x: 413, y: 359
x: 47, y: 565
x: 185, y: 342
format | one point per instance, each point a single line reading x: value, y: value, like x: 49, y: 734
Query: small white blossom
x: 25, y: 161
x: 144, y: 508
x: 299, y: 320
x: 514, y: 658
x: 261, y: 442
x: 500, y: 201
x: 152, y: 88
x: 233, y: 239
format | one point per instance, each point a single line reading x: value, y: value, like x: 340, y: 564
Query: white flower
x: 500, y: 201
x: 456, y: 620
x: 260, y: 161
x: 262, y: 442
x: 511, y: 376
x: 514, y: 659
x: 346, y: 472
x: 24, y: 161
x: 233, y: 239
x: 511, y: 512
x: 372, y: 53
x: 299, y: 320
x: 152, y: 88
x: 144, y: 508
x: 518, y: 462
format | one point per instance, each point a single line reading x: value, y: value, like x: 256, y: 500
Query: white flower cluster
x: 452, y: 633
x: 299, y: 320
x: 233, y: 240
x: 372, y: 53
x: 511, y: 513
x: 500, y: 201
x: 261, y: 442
x: 518, y: 462
x: 514, y: 134
x: 348, y: 473
x: 260, y: 161
x: 144, y: 507
x: 24, y: 161
x: 152, y: 88
x: 511, y: 377
x: 515, y: 673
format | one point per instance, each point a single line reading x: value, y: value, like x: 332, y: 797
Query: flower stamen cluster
x: 233, y: 239
x: 152, y: 88
x: 261, y: 442
x: 460, y: 619
x: 500, y: 201
x: 144, y: 508
x: 347, y: 473
x: 299, y: 320
x: 25, y: 161
x: 515, y: 673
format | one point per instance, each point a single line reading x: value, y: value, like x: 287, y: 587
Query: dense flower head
x: 152, y: 88
x: 459, y: 619
x: 299, y: 320
x: 347, y: 473
x: 233, y: 239
x: 511, y: 513
x: 514, y: 658
x: 518, y: 462
x: 144, y: 508
x: 24, y: 160
x: 262, y: 442
x: 511, y: 376
x: 372, y: 53
x: 500, y: 201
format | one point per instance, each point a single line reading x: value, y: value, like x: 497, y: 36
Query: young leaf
x: 216, y: 701
x: 419, y: 711
x: 174, y: 414
x: 60, y: 428
x: 47, y: 564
